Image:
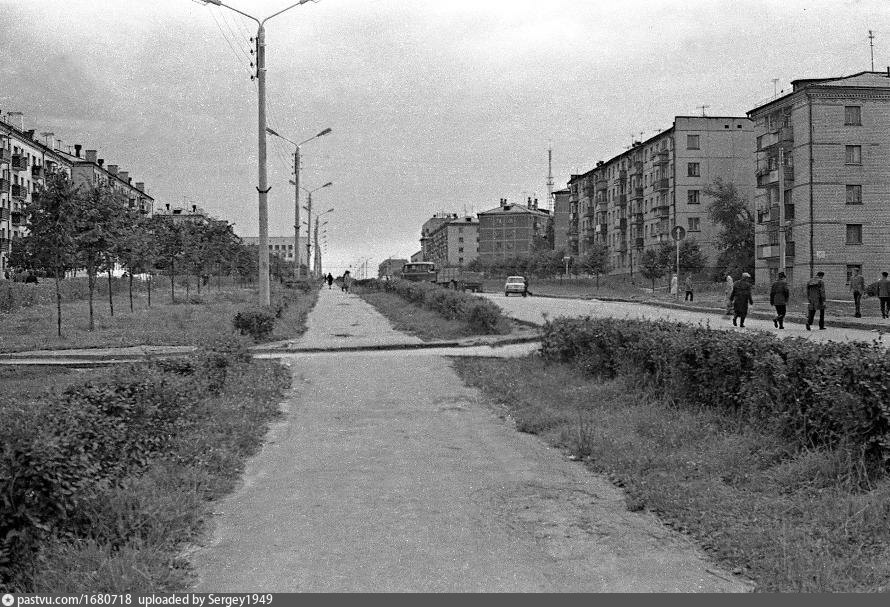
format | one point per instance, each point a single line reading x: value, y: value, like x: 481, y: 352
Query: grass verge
x: 116, y: 515
x: 417, y: 321
x: 793, y: 521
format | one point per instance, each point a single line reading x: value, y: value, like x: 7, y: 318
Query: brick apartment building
x: 511, y: 230
x: 630, y: 202
x: 454, y: 242
x: 822, y: 161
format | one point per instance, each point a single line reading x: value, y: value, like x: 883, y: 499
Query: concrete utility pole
x: 262, y: 187
x: 308, y: 208
x: 781, y: 199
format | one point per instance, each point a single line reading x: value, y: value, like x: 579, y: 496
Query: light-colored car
x: 515, y: 284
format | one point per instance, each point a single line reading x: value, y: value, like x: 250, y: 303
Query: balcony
x: 638, y: 219
x: 19, y: 192
x: 637, y: 193
x: 784, y: 134
x: 4, y: 245
x: 603, y: 228
x: 16, y: 218
x: 600, y: 184
x: 4, y: 214
x: 636, y: 168
x: 622, y: 175
x: 37, y: 172
x: 5, y: 156
x: 4, y: 186
x: 767, y: 177
x: 768, y: 251
x: 663, y: 184
x: 622, y: 246
x: 622, y: 199
x: 622, y: 224
x: 638, y: 243
x: 19, y: 162
x: 660, y: 157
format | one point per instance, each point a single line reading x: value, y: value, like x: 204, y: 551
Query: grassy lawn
x: 164, y: 323
x: 414, y: 320
x: 792, y: 522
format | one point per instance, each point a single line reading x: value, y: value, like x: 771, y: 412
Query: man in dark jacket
x: 816, y: 300
x: 740, y: 298
x: 884, y: 295
x: 857, y: 287
x: 778, y: 298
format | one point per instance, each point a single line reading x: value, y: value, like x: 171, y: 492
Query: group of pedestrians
x: 345, y: 281
x: 738, y: 297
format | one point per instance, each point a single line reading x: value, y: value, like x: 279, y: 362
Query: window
x: 851, y: 267
x: 693, y: 169
x: 854, y: 194
x: 693, y: 197
x: 854, y: 154
x: 853, y: 115
x: 854, y: 233
x: 692, y: 142
x: 694, y: 224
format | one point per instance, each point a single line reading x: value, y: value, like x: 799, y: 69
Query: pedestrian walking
x: 687, y: 284
x: 816, y: 300
x: 857, y: 286
x: 884, y: 295
x: 741, y: 298
x: 674, y: 284
x: 330, y: 280
x: 778, y: 298
x: 727, y: 293
x: 347, y: 280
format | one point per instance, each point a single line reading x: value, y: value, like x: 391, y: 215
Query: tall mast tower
x: 549, y: 176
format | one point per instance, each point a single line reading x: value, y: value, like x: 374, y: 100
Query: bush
x: 479, y: 313
x: 820, y: 394
x: 256, y: 322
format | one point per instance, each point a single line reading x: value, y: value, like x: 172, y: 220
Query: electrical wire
x: 228, y: 42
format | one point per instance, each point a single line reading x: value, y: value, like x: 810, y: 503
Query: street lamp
x: 308, y: 208
x: 296, y: 183
x: 317, y: 265
x: 262, y: 188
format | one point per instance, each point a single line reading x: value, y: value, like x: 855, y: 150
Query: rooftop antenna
x: 549, y: 174
x: 703, y: 108
x: 871, y: 44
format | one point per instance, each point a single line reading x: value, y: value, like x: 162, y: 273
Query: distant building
x: 454, y: 242
x: 428, y: 226
x: 562, y: 217
x: 282, y: 246
x: 417, y: 257
x: 630, y: 202
x: 89, y: 170
x: 822, y: 156
x: 512, y: 230
x: 391, y: 267
x: 192, y: 213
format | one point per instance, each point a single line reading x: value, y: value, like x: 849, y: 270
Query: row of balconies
x: 19, y: 192
x: 783, y: 134
x: 660, y: 157
x: 19, y: 162
x: 772, y: 250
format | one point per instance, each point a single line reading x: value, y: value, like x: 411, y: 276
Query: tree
x: 49, y: 243
x: 692, y: 260
x: 169, y: 239
x: 651, y: 267
x: 596, y: 261
x: 735, y: 240
x: 136, y: 248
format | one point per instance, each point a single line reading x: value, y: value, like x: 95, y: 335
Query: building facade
x: 511, y: 230
x: 822, y: 162
x: 282, y: 246
x: 428, y: 227
x: 391, y: 267
x: 25, y: 163
x: 562, y: 216
x: 454, y: 242
x: 630, y: 202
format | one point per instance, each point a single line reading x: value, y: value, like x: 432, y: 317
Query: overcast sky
x: 443, y: 105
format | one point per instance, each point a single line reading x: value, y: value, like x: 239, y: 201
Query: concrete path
x: 388, y: 474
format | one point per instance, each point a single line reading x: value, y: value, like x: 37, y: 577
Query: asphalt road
x: 532, y: 309
x: 388, y: 474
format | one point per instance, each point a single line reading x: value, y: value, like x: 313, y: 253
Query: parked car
x: 515, y: 284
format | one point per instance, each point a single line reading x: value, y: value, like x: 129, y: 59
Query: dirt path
x: 388, y: 474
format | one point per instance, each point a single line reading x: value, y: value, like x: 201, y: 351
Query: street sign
x: 678, y: 233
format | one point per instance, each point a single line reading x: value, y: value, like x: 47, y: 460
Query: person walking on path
x: 778, y: 298
x: 740, y: 298
x: 884, y: 295
x: 347, y: 280
x: 816, y: 300
x: 687, y: 284
x: 330, y: 280
x: 857, y: 286
x: 727, y: 293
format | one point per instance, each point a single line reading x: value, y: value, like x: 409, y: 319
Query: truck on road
x: 450, y: 278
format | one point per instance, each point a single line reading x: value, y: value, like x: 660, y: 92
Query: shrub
x: 820, y: 394
x: 256, y: 322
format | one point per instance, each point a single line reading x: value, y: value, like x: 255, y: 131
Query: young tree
x: 735, y: 241
x: 169, y: 238
x: 651, y: 267
x: 692, y: 260
x: 597, y: 261
x: 49, y: 243
x: 136, y: 250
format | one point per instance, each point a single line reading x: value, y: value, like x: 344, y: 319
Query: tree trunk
x: 172, y: 281
x: 188, y: 285
x: 149, y: 289
x: 219, y: 276
x: 597, y: 281
x: 110, y: 297
x: 200, y: 278
x: 58, y: 304
x: 131, y: 291
x: 91, y: 284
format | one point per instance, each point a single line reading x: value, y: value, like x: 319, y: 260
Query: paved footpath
x: 388, y: 474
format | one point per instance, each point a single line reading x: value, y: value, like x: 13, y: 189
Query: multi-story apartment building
x: 562, y: 217
x: 428, y: 227
x: 630, y: 202
x: 454, y: 242
x: 822, y: 163
x: 88, y: 170
x: 511, y: 230
x: 25, y: 163
x: 282, y: 246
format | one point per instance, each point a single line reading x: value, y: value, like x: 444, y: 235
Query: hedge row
x: 60, y: 451
x: 479, y: 313
x: 818, y: 394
